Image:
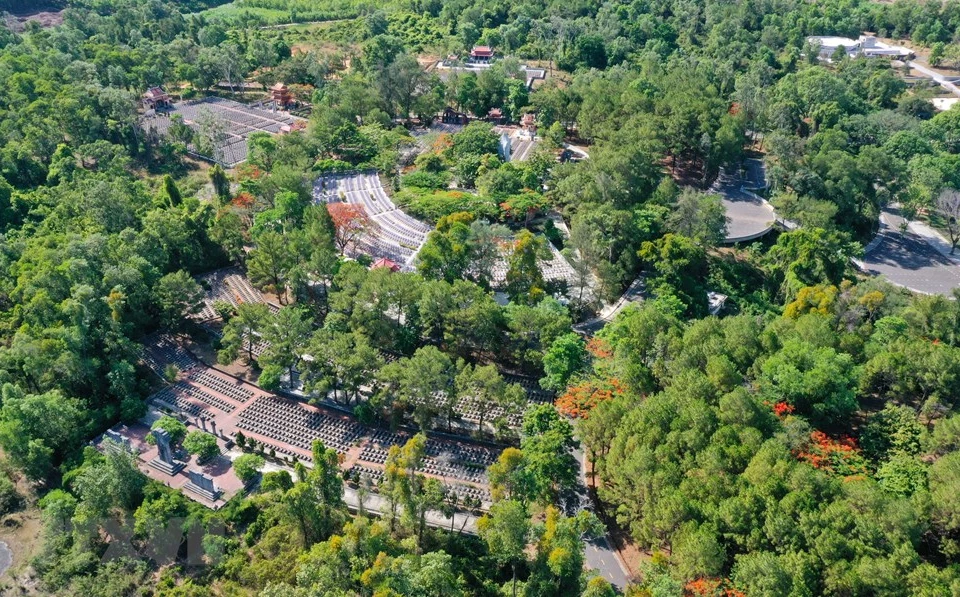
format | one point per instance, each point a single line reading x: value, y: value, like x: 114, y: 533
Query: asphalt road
x: 937, y: 77
x: 907, y: 260
x: 748, y: 216
x: 599, y: 553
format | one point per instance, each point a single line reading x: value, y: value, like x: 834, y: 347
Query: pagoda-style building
x: 156, y: 97
x: 481, y: 54
x: 280, y: 93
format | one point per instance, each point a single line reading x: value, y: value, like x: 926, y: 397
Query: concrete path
x: 633, y: 294
x: 374, y: 503
x: 936, y: 77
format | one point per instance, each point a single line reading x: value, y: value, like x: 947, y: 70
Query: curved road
x: 908, y: 259
x: 749, y: 216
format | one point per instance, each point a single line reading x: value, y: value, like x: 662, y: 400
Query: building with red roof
x: 156, y: 97
x: 281, y: 94
x: 481, y: 54
x: 384, y: 262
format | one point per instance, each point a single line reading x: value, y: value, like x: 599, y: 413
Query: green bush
x: 10, y: 499
x: 427, y: 180
x: 433, y: 205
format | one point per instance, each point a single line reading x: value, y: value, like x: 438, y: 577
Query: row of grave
x: 395, y: 236
x: 164, y: 350
x: 290, y: 423
x: 375, y: 478
x: 227, y: 286
x: 443, y: 458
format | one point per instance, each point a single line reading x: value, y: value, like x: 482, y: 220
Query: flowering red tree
x: 581, y: 398
x: 243, y: 200
x: 839, y: 456
x: 350, y: 221
x: 599, y: 348
x: 711, y: 587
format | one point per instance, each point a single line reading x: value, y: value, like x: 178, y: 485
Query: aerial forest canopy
x: 493, y: 227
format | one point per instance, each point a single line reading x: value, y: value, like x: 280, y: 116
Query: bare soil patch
x: 46, y: 18
x: 21, y: 532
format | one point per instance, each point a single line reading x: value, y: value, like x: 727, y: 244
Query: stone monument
x: 164, y: 461
x: 118, y: 441
x: 202, y: 485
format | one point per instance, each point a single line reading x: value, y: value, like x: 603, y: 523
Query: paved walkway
x: 375, y: 503
x: 912, y: 255
x: 633, y: 294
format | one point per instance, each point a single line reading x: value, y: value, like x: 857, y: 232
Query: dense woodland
x: 804, y: 443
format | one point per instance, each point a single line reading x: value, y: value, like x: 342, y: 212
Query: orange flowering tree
x: 581, y: 398
x: 711, y: 587
x: 350, y: 221
x: 243, y: 200
x: 839, y: 456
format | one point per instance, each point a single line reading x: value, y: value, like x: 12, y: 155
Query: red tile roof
x: 384, y: 262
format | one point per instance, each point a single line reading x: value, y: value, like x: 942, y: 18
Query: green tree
x: 247, y: 467
x: 270, y: 264
x: 524, y: 280
x: 698, y: 216
x: 171, y: 192
x: 818, y: 381
x: 243, y: 332
x: 173, y: 426
x: 220, y: 182
x: 566, y: 357
x: 807, y: 257
x: 505, y: 530
x: 681, y: 270
x: 179, y: 298
x: 37, y: 430
x: 287, y: 332
x: 203, y: 445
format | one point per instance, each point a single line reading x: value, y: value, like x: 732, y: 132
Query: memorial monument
x: 164, y: 461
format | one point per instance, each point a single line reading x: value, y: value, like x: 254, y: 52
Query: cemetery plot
x: 292, y: 423
x: 555, y: 270
x: 468, y: 410
x: 217, y: 402
x: 228, y: 285
x: 374, y: 476
x: 231, y: 388
x: 236, y: 122
x: 160, y: 351
x: 185, y: 398
x: 391, y: 233
x: 447, y: 459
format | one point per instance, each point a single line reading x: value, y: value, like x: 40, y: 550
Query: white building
x: 865, y: 45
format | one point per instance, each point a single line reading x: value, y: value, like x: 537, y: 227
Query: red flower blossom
x: 781, y: 409
x: 581, y: 398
